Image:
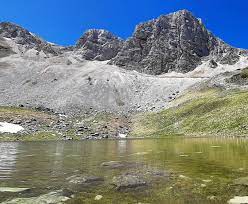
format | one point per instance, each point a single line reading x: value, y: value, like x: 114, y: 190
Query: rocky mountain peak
x: 21, y: 35
x: 26, y: 39
x: 99, y: 44
x: 174, y: 42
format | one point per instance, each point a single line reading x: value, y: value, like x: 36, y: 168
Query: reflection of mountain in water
x: 8, y: 154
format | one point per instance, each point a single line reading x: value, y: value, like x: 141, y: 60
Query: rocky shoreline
x: 90, y: 126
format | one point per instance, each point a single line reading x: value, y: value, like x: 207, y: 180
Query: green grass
x: 39, y: 136
x: 7, y: 113
x: 209, y: 112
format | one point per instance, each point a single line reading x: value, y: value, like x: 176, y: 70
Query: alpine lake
x: 135, y: 171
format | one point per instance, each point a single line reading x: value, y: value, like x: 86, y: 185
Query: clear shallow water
x: 203, y: 169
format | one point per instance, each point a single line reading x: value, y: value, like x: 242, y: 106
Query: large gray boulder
x: 99, y: 45
x: 175, y: 42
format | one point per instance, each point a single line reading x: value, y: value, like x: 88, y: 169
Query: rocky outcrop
x: 98, y: 45
x: 26, y: 39
x: 5, y: 50
x: 175, y: 42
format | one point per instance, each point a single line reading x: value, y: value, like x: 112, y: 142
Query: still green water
x: 203, y: 169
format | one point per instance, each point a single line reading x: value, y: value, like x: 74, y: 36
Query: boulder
x: 128, y: 181
x: 50, y: 198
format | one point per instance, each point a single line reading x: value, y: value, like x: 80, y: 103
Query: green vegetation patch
x: 12, y: 113
x: 208, y: 112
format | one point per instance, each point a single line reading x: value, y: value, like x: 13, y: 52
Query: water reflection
x: 8, y: 156
x: 122, y: 146
x: 42, y: 165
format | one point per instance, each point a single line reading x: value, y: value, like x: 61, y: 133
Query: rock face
x: 5, y: 50
x: 175, y: 42
x: 25, y: 38
x: 99, y: 45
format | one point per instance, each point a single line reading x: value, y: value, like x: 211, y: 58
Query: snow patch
x: 10, y: 128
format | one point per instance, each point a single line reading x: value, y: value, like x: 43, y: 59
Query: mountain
x: 99, y: 45
x: 175, y: 42
x: 26, y: 39
x: 102, y: 72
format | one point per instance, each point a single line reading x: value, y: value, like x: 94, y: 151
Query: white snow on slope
x: 10, y: 128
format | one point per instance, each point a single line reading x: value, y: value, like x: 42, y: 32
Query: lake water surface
x: 201, y: 170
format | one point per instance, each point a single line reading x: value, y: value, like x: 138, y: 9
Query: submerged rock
x: 79, y: 180
x: 50, y: 198
x: 77, y: 183
x: 113, y: 164
x: 120, y: 164
x: 13, y: 190
x: 241, y: 181
x: 128, y: 181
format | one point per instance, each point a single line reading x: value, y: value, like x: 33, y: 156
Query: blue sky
x: 64, y: 21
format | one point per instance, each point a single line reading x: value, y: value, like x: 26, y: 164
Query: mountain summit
x: 175, y: 42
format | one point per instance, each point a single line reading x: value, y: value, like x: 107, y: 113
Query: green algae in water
x: 205, y: 175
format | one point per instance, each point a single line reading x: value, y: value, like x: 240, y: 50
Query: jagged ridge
x: 175, y: 42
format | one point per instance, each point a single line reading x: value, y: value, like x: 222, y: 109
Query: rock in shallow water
x: 241, y: 181
x: 84, y: 179
x: 128, y: 181
x: 13, y: 190
x: 50, y: 198
x: 113, y: 164
x: 120, y: 164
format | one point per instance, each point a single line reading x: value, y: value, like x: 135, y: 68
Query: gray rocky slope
x: 35, y: 73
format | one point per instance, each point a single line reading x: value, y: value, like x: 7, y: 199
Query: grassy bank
x: 207, y: 112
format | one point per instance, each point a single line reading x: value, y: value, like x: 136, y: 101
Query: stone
x: 128, y: 181
x: 213, y: 64
x: 84, y: 180
x: 113, y: 164
x: 50, y: 198
x: 98, y: 197
x: 241, y: 181
x: 13, y: 190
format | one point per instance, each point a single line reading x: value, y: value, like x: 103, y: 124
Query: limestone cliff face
x: 99, y: 45
x: 175, y: 42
